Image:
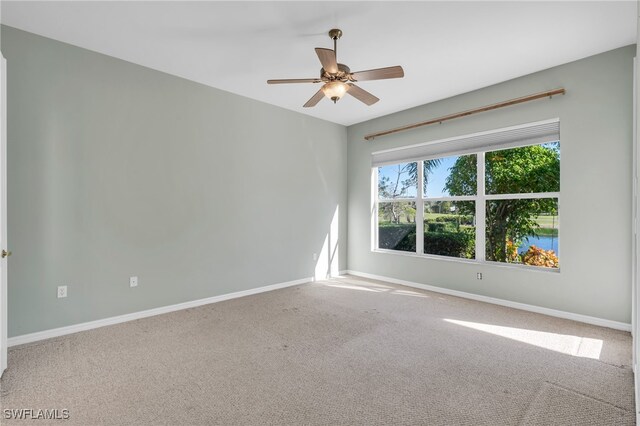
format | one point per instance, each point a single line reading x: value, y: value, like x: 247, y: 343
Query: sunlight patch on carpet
x: 583, y: 347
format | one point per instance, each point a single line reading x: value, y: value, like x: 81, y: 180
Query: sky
x: 437, y: 178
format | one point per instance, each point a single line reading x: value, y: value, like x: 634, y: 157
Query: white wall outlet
x: 133, y: 281
x: 315, y: 256
x: 62, y: 291
x: 479, y: 275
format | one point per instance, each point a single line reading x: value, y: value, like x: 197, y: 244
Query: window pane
x: 523, y: 231
x: 397, y: 226
x: 528, y: 169
x: 447, y: 176
x: 449, y: 228
x: 397, y: 181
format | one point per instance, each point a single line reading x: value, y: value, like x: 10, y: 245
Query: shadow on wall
x: 327, y: 263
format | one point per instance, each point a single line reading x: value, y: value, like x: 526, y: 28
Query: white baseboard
x: 61, y: 331
x: 55, y: 332
x: 522, y: 306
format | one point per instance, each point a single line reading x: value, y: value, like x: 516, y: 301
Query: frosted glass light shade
x: 335, y: 90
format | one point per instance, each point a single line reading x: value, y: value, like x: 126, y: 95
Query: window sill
x: 469, y: 261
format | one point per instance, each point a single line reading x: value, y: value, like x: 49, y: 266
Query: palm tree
x: 428, y: 167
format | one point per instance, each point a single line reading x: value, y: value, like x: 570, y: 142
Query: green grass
x: 388, y: 223
x: 548, y: 224
x: 547, y: 221
x: 434, y: 216
x: 547, y: 232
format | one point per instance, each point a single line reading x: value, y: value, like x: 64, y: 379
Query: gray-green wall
x: 595, y: 206
x: 117, y: 170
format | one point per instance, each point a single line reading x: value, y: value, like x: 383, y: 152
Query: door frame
x: 3, y: 213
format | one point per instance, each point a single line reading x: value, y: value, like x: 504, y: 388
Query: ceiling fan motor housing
x: 342, y: 74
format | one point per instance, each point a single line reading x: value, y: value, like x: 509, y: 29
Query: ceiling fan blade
x: 378, y: 74
x: 327, y: 59
x: 295, y: 80
x: 314, y: 99
x: 362, y: 95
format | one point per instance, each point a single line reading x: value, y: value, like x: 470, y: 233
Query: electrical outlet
x: 62, y: 291
x: 133, y: 281
x: 315, y: 256
x: 479, y: 276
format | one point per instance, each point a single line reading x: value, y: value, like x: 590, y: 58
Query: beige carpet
x: 555, y: 405
x: 345, y: 351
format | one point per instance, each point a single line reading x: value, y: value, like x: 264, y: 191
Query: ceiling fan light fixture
x: 335, y: 90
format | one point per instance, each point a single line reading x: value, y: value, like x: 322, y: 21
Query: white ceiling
x: 446, y: 48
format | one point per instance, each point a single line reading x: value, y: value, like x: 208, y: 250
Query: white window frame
x: 480, y: 200
x: 374, y: 223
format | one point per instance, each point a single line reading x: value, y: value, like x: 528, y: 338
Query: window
x: 449, y: 215
x: 397, y: 195
x: 497, y: 202
x: 449, y: 228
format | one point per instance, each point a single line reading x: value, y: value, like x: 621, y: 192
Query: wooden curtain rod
x: 502, y: 104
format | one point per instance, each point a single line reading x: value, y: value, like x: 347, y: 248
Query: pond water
x: 544, y: 242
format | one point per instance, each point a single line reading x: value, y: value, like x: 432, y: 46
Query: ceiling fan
x: 338, y: 78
